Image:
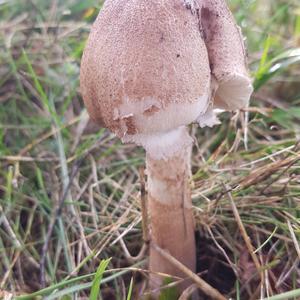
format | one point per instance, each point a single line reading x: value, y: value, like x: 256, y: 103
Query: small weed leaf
x: 169, y: 293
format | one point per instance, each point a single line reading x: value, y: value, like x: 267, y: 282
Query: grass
x: 53, y: 160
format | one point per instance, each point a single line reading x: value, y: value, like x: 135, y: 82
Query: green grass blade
x: 130, y: 289
x: 97, y: 280
x: 36, y: 82
x: 286, y: 296
x: 264, y: 58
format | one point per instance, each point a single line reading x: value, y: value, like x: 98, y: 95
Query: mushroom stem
x: 170, y: 208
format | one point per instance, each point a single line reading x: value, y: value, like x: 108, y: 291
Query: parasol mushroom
x: 149, y: 69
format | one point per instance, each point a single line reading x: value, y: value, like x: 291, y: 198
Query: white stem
x: 170, y: 207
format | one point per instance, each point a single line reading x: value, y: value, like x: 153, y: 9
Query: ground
x: 60, y: 171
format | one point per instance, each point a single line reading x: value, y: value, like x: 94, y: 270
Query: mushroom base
x: 172, y: 221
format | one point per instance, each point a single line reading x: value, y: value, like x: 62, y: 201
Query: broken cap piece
x: 227, y: 56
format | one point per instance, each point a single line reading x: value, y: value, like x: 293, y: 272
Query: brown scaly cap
x: 227, y: 55
x: 145, y: 68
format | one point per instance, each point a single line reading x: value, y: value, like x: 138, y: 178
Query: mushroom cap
x: 145, y: 68
x: 151, y: 67
x: 227, y: 56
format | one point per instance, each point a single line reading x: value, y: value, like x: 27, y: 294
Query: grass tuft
x: 246, y: 172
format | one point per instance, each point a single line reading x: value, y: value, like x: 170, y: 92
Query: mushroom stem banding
x: 170, y: 207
